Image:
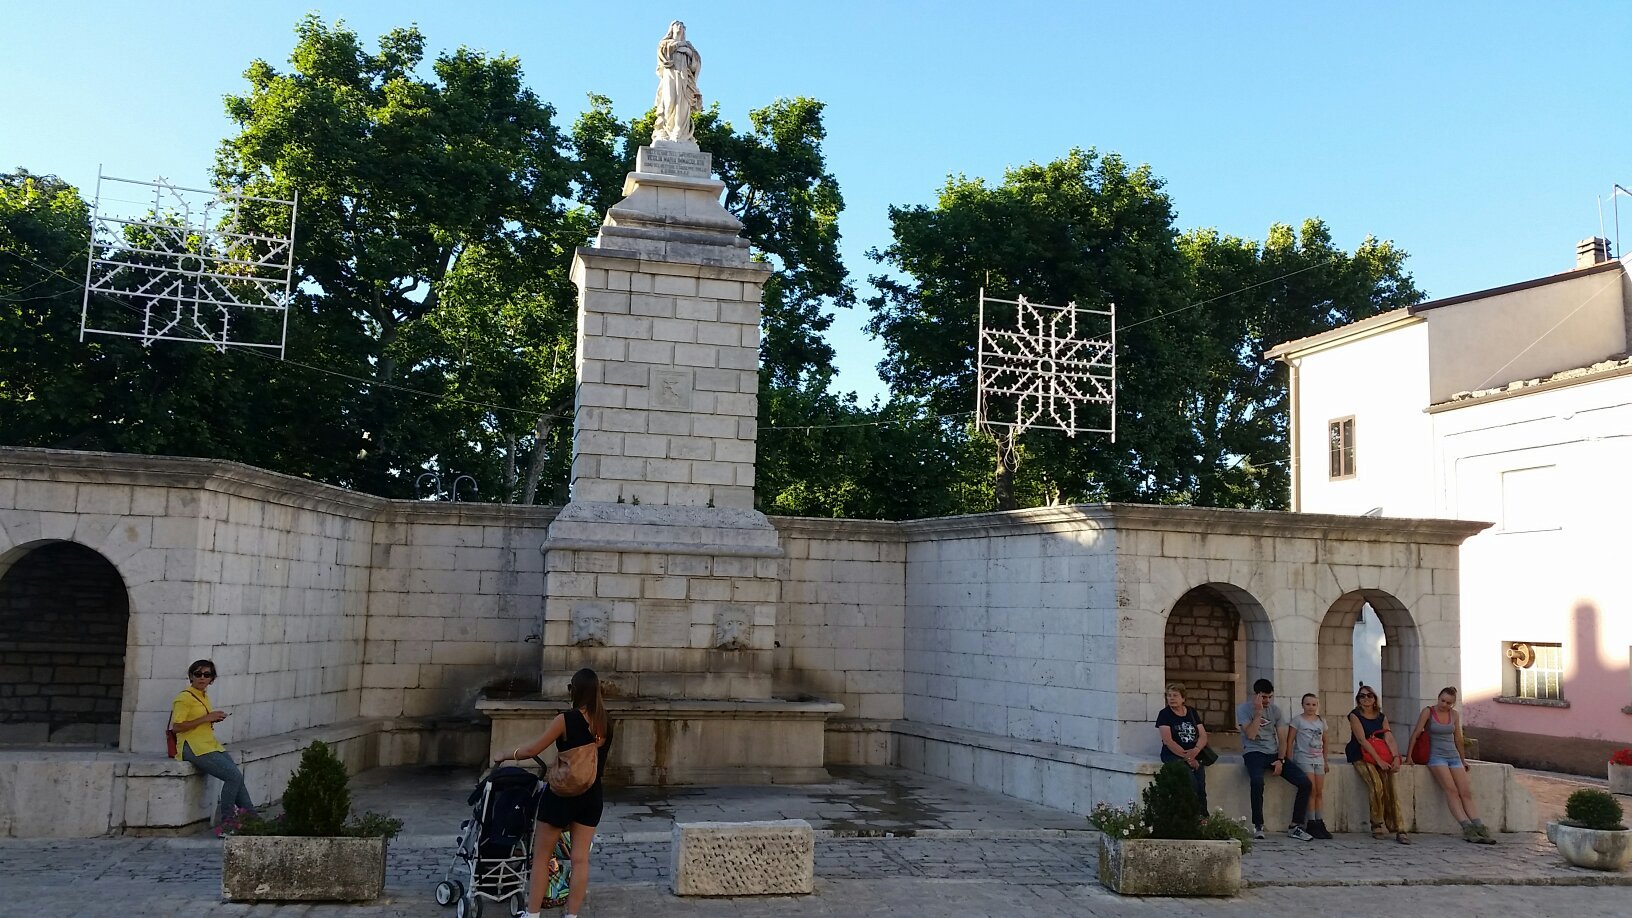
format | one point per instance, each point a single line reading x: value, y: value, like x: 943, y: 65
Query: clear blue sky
x: 1477, y: 136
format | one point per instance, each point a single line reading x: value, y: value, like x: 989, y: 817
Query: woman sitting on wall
x: 1448, y: 763
x: 1372, y: 752
x: 193, y: 720
x: 1184, y: 738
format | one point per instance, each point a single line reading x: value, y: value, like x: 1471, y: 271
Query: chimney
x: 1589, y: 252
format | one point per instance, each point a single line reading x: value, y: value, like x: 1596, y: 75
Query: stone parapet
x: 773, y: 858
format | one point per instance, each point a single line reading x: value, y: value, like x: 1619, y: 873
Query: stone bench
x: 773, y: 858
x: 103, y: 792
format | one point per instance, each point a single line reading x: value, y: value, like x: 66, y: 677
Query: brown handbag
x: 574, y: 770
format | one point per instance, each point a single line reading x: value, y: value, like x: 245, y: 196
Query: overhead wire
x: 317, y: 369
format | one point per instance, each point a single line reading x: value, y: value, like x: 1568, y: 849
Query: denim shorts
x: 1452, y: 762
x: 1310, y: 766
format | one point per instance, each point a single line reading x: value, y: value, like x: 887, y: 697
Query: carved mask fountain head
x: 590, y: 623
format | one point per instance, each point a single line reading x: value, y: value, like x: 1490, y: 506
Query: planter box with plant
x: 315, y: 850
x: 1591, y: 834
x: 1620, y: 772
x: 1168, y: 846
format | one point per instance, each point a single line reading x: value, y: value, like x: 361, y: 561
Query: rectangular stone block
x: 771, y: 858
x: 281, y: 868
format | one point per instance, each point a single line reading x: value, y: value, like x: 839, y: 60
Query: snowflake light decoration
x: 180, y: 264
x: 1043, y: 371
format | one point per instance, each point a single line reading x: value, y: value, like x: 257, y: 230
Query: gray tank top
x: 1442, y: 738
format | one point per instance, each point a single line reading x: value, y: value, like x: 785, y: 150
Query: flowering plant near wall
x: 1621, y: 757
x: 1120, y: 821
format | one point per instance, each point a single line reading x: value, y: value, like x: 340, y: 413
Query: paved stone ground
x: 955, y: 851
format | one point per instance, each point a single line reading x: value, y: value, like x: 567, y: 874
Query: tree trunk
x: 1007, y: 460
x: 509, y: 469
x: 535, y: 465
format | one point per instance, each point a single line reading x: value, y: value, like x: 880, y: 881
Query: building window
x: 1340, y: 434
x: 1536, y: 671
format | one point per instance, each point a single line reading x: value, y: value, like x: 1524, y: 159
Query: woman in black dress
x: 586, y: 723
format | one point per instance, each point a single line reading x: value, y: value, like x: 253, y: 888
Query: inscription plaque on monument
x: 666, y: 160
x: 663, y: 624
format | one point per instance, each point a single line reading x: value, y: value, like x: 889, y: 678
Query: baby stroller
x: 494, y: 856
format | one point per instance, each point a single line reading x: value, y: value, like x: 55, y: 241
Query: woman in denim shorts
x: 1448, y: 763
x: 1309, y: 754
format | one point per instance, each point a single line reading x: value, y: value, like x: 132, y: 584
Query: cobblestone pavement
x: 955, y: 851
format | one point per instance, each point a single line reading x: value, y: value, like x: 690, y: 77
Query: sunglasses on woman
x: 202, y: 674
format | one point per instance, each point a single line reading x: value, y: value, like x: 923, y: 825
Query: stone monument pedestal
x: 662, y: 602
x: 659, y: 574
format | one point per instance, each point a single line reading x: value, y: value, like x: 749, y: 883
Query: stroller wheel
x: 446, y: 892
x: 518, y: 905
x: 469, y: 908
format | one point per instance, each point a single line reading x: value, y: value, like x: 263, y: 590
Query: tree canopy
x: 433, y: 323
x: 1199, y: 412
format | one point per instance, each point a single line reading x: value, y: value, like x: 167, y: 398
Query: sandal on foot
x: 1377, y: 831
x: 1403, y: 838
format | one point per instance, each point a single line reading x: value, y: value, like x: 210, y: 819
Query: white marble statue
x: 678, y: 64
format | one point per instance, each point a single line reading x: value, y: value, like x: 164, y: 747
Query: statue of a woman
x: 678, y: 64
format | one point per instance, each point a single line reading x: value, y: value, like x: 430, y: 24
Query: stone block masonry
x: 773, y: 858
x: 668, y: 381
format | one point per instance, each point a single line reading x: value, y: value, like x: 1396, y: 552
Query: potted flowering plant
x: 1167, y: 845
x: 315, y: 850
x: 1591, y: 833
x: 1620, y: 771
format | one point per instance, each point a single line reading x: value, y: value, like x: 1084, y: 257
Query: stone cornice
x: 619, y: 260
x: 814, y: 527
x: 239, y: 480
x: 1202, y: 520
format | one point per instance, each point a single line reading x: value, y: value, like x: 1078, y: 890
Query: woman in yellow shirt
x: 194, y: 720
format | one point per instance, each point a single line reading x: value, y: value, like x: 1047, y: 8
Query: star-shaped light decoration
x: 1043, y: 371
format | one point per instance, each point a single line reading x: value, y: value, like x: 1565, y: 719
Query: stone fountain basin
x: 680, y: 741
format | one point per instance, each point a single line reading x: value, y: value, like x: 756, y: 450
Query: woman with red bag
x: 193, y: 718
x: 1448, y: 763
x: 1372, y: 752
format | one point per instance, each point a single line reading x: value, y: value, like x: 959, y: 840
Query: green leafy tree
x: 44, y: 236
x: 109, y: 393
x: 1086, y: 229
x: 1200, y: 415
x: 1254, y: 296
x: 423, y: 203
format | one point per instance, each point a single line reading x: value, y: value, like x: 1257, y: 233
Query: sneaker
x: 1258, y: 832
x: 1317, y: 828
x: 1299, y: 832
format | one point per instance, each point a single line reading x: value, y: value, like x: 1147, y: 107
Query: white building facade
x: 1512, y: 406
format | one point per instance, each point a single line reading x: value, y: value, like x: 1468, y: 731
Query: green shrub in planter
x: 317, y: 803
x: 1590, y: 808
x: 1171, y: 805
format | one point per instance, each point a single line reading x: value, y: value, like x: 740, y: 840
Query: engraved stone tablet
x: 670, y: 389
x: 663, y: 624
x: 666, y: 160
